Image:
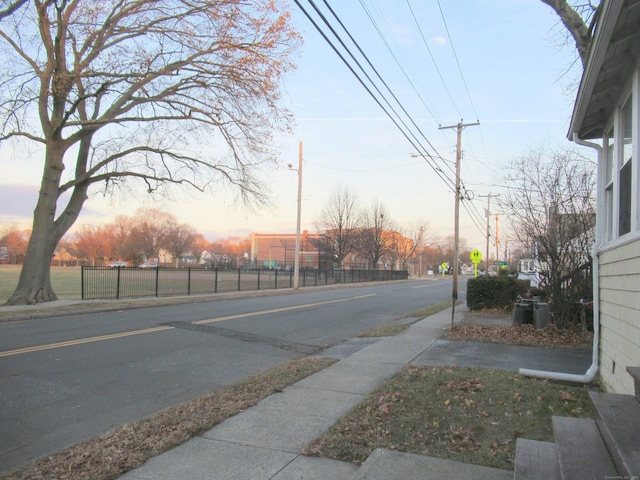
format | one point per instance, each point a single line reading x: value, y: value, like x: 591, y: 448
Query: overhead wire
x: 375, y: 70
x: 426, y: 44
x: 395, y: 57
x: 431, y: 159
x: 462, y: 76
x: 408, y: 134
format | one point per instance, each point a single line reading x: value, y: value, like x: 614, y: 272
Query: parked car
x: 117, y: 264
x: 148, y: 265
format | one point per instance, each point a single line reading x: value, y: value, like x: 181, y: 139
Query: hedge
x: 494, y: 292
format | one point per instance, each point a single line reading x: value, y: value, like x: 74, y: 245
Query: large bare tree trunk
x: 34, y: 285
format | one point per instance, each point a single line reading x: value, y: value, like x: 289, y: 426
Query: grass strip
x: 464, y: 414
x: 129, y: 446
x: 395, y: 328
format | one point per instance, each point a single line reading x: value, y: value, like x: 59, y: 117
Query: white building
x: 607, y: 117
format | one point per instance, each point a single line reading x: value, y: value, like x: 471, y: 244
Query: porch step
x: 635, y: 373
x: 536, y: 460
x: 619, y: 425
x: 582, y: 453
x: 385, y: 464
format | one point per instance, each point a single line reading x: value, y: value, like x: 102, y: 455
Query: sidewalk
x: 266, y: 441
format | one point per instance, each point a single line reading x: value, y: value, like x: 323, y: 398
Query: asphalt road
x: 64, y: 379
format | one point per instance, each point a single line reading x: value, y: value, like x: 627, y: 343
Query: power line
x: 406, y: 131
x: 435, y: 64
x: 455, y: 55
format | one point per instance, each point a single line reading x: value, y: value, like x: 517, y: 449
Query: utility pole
x: 497, y: 237
x: 459, y: 127
x: 488, y: 217
x: 296, y: 263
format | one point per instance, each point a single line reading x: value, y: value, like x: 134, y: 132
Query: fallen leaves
x: 465, y: 414
x: 128, y: 446
x: 523, y: 335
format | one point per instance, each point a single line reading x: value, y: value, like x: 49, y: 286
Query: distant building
x: 278, y: 250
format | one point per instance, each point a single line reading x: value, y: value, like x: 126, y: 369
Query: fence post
x: 215, y: 289
x: 188, y: 280
x: 239, y: 278
x: 118, y: 285
x: 157, y: 279
x: 258, y: 279
x: 82, y: 282
x: 290, y: 278
x: 276, y: 282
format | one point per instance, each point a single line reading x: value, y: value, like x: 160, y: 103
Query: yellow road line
x: 278, y: 310
x: 112, y: 336
x: 81, y: 341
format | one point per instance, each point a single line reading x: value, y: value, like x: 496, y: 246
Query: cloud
x: 440, y: 41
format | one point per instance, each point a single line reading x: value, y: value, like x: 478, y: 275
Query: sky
x: 499, y: 62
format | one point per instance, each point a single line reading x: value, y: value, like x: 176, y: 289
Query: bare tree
x: 117, y: 237
x: 551, y: 207
x: 575, y: 19
x: 149, y: 231
x: 404, y: 245
x: 339, y: 225
x: 375, y: 238
x: 9, y: 7
x: 89, y: 242
x: 183, y: 92
x: 14, y: 242
x: 179, y: 240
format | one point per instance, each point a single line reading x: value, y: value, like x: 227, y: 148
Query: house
x: 606, y: 117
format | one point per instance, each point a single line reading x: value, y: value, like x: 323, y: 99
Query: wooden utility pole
x: 296, y: 263
x: 497, y: 238
x: 488, y: 217
x: 454, y: 296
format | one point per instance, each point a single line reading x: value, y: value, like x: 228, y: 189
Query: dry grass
x: 468, y: 415
x: 129, y: 446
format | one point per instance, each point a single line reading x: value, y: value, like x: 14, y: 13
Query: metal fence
x: 127, y: 282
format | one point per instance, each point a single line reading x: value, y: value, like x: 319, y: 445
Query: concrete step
x: 635, y: 373
x: 390, y: 464
x: 536, y: 460
x: 581, y: 450
x: 619, y: 425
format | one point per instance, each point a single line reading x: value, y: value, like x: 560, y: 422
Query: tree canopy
x: 179, y: 92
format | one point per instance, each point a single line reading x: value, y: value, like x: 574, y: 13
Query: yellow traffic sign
x: 476, y: 256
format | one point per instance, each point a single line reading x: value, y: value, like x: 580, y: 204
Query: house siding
x: 619, y: 316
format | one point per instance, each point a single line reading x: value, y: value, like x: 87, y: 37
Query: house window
x: 608, y: 184
x: 624, y: 181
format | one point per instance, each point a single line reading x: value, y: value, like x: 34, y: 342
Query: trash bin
x: 540, y: 314
x: 522, y: 313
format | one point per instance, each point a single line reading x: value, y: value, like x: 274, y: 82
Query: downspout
x: 592, y: 371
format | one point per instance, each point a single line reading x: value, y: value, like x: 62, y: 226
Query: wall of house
x: 619, y: 316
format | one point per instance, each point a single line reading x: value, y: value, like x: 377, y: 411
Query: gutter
x: 592, y: 371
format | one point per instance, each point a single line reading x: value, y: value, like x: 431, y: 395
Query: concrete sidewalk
x: 266, y: 441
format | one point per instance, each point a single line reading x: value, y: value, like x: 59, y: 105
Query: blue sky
x: 513, y: 81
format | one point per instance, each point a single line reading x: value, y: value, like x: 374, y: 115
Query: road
x: 67, y: 379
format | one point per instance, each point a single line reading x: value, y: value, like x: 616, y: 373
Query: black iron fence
x: 126, y: 282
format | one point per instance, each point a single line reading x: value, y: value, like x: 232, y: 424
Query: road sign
x: 501, y: 263
x: 476, y: 256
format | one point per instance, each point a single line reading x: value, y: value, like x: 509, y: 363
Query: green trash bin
x: 522, y: 313
x: 540, y: 314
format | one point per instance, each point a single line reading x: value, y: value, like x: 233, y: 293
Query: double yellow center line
x: 112, y: 336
